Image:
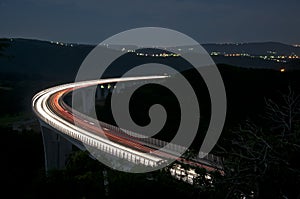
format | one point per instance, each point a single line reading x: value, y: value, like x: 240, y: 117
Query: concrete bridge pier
x: 87, y: 99
x: 56, y: 149
x: 99, y: 93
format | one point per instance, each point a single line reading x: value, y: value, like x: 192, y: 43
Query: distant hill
x: 43, y: 58
x: 62, y: 60
x: 257, y: 50
x: 263, y: 48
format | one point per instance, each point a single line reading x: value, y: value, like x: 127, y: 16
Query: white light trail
x: 40, y: 107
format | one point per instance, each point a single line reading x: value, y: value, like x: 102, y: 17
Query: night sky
x: 92, y: 21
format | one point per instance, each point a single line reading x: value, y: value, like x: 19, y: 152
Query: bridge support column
x: 98, y: 93
x: 56, y: 149
x: 87, y: 99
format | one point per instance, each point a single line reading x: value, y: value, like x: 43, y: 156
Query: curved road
x: 50, y: 108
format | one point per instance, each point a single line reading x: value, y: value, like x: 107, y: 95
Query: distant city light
x: 282, y: 70
x: 270, y: 55
x: 159, y: 55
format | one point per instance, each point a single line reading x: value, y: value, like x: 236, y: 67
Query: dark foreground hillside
x: 260, y: 148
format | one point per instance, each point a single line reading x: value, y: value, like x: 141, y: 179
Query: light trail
x: 49, y: 107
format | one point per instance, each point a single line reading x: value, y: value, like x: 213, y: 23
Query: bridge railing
x: 204, y: 158
x: 93, y: 140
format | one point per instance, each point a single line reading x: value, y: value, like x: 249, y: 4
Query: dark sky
x: 92, y: 21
